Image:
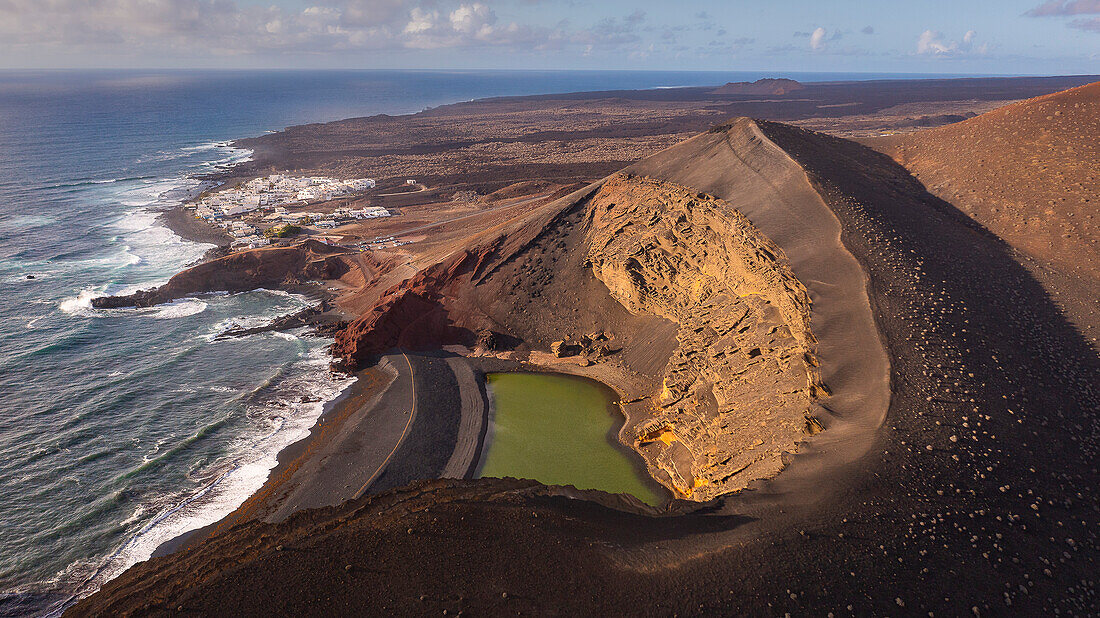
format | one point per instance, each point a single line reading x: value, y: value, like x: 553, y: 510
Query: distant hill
x: 760, y: 86
x: 1030, y: 172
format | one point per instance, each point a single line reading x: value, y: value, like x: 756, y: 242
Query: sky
x: 902, y: 36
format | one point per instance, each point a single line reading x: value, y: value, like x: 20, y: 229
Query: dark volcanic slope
x: 1030, y: 173
x: 978, y: 495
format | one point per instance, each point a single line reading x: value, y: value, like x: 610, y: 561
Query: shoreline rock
x: 273, y: 267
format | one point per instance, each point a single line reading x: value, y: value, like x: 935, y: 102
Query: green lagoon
x: 561, y: 430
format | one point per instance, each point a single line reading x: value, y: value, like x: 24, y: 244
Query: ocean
x: 121, y: 429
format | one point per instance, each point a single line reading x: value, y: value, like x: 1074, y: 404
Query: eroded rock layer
x: 736, y: 392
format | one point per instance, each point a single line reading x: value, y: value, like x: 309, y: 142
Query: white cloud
x: 218, y: 27
x: 1062, y: 7
x: 421, y: 21
x: 472, y: 18
x: 471, y: 25
x: 933, y: 43
x: 1053, y: 8
x: 817, y: 39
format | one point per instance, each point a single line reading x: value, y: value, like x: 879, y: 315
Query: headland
x: 825, y: 361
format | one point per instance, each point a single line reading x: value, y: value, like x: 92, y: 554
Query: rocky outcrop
x: 410, y: 315
x: 736, y: 392
x: 246, y: 270
x: 317, y: 316
x: 404, y: 319
x: 672, y: 286
x: 730, y: 379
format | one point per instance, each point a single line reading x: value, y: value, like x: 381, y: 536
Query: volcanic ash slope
x: 1029, y: 172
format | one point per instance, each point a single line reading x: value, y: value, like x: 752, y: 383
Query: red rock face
x: 406, y: 319
x: 412, y: 315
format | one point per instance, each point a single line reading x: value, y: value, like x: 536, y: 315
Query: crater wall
x: 736, y: 392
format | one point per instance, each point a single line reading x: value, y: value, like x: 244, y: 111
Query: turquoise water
x: 561, y: 430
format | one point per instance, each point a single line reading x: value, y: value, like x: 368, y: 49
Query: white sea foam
x: 299, y: 298
x: 23, y: 223
x: 135, y: 516
x: 21, y: 276
x: 160, y: 248
x: 255, y: 321
x: 234, y: 323
x: 288, y: 419
x: 147, y: 253
x: 232, y: 156
x: 177, y: 309
x: 81, y: 304
x: 205, y: 146
x: 152, y: 191
x: 121, y: 258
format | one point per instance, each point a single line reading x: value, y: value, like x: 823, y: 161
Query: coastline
x: 334, y: 412
x: 189, y: 228
x: 299, y: 480
x: 318, y: 318
x: 788, y: 525
x: 293, y: 470
x: 298, y: 469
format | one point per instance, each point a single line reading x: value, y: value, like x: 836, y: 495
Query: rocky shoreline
x: 947, y: 376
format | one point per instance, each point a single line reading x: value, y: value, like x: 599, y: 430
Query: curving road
x: 411, y: 413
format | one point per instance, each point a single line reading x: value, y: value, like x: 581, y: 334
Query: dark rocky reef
x: 318, y: 316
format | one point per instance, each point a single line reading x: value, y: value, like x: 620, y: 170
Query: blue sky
x: 929, y: 36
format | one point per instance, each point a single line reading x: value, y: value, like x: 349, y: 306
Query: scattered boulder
x: 487, y: 340
x: 559, y: 349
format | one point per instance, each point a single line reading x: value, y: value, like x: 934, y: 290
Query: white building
x: 370, y: 212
